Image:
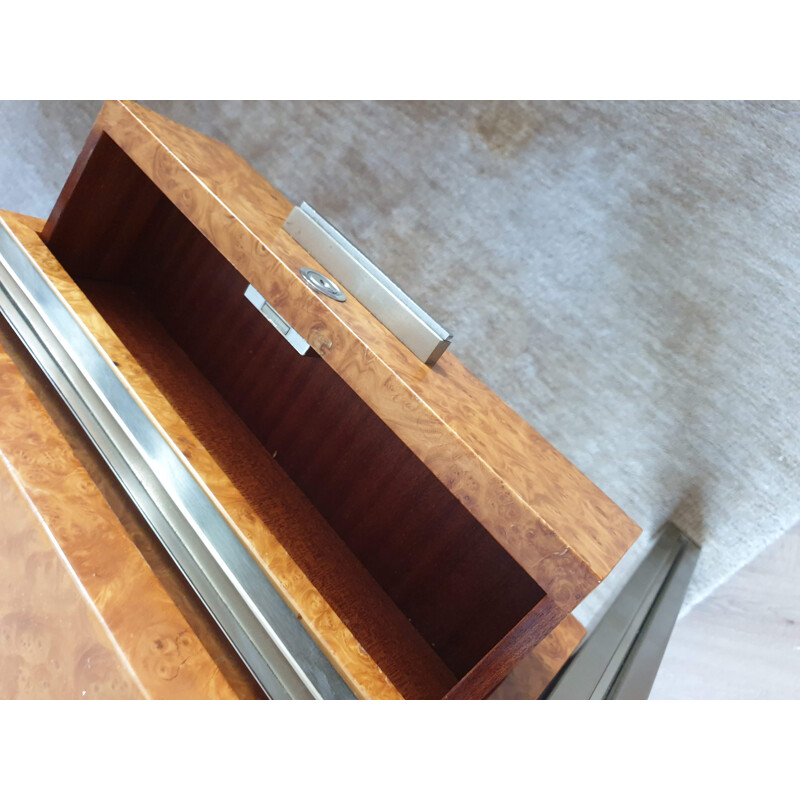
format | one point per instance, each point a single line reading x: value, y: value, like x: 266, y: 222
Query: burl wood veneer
x: 135, y: 526
x: 82, y: 615
x: 281, y: 506
x: 425, y: 534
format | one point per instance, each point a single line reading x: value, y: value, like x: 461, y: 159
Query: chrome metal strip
x: 619, y: 659
x: 414, y: 327
x: 638, y: 672
x: 274, y: 645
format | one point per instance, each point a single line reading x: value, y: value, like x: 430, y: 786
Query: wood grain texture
x: 487, y: 674
x: 428, y: 493
x: 360, y: 602
x: 136, y: 527
x: 557, y: 525
x: 52, y: 642
x: 455, y: 590
x: 459, y: 588
x: 532, y: 675
x: 82, y: 613
x: 338, y: 642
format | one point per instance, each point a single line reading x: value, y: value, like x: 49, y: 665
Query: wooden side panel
x: 359, y: 601
x: 136, y: 527
x: 354, y: 663
x: 493, y: 474
x: 82, y: 614
x: 564, y: 532
x: 111, y: 185
x: 53, y: 645
x: 460, y: 589
x: 533, y: 674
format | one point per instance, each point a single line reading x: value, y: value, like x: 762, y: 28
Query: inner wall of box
x: 384, y: 540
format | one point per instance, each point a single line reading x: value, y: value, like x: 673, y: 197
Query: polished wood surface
x: 136, y: 527
x: 533, y: 674
x: 425, y: 589
x: 457, y: 586
x: 81, y: 613
x: 356, y: 597
x: 387, y: 635
x: 336, y: 639
x: 557, y: 525
x: 427, y: 537
x: 53, y: 644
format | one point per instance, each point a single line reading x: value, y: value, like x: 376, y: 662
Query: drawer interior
x: 423, y: 587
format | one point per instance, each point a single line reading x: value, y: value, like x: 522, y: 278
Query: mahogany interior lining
x: 426, y: 590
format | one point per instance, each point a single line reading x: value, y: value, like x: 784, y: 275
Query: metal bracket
x: 277, y: 321
x: 387, y: 302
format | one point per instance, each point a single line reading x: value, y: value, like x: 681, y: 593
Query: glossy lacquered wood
x: 425, y: 589
x: 425, y: 534
x: 136, y: 527
x: 53, y: 644
x: 81, y: 613
x: 459, y: 588
x: 555, y: 523
x: 358, y: 600
x: 287, y: 508
x: 380, y: 629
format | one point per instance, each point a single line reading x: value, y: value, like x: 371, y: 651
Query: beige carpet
x: 624, y: 275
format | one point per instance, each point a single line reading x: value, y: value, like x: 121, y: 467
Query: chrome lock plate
x: 318, y: 282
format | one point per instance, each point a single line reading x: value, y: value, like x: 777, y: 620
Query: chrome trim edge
x: 277, y: 649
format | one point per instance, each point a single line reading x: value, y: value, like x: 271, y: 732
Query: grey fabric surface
x: 624, y: 275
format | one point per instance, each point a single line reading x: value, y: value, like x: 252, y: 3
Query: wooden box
x: 424, y: 534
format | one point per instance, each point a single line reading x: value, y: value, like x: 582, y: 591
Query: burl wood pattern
x: 52, y: 643
x: 460, y: 589
x: 136, y: 527
x: 442, y: 533
x: 355, y: 665
x: 533, y: 674
x: 554, y: 522
x: 358, y: 600
x: 81, y: 614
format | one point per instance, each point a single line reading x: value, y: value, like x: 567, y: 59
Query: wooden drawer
x: 424, y: 534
